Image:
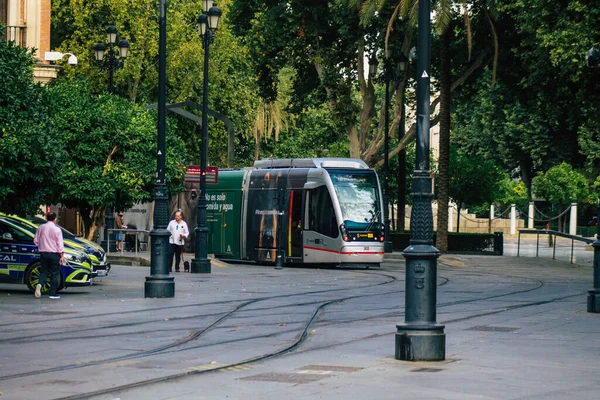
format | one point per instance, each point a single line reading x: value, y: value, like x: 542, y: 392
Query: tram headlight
x: 344, y: 233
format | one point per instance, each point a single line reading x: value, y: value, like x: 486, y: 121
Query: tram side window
x: 321, y: 213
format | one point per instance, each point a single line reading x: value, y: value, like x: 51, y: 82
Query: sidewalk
x: 516, y: 328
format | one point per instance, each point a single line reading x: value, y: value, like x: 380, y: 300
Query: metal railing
x: 539, y: 232
x: 15, y: 33
x: 126, y: 232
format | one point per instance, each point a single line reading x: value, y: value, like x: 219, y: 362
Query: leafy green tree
x: 499, y: 125
x: 474, y: 180
x: 561, y: 185
x: 79, y: 25
x: 29, y: 153
x: 544, y: 106
x: 109, y: 147
x: 512, y: 192
x: 325, y: 43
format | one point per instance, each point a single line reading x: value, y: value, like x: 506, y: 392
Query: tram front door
x: 295, y: 226
x: 320, y: 228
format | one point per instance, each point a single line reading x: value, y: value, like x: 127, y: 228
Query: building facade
x: 27, y: 23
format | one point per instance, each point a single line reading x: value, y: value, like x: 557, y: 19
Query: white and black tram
x: 306, y: 211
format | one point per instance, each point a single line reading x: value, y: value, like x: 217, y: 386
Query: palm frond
x: 443, y: 9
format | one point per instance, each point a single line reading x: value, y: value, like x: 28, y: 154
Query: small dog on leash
x: 186, y: 266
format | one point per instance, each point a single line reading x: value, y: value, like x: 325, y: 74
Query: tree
x: 30, y: 154
x: 78, y: 25
x: 561, y: 185
x: 371, y: 11
x: 512, y: 192
x: 543, y: 109
x: 326, y: 44
x: 109, y: 159
x: 473, y: 180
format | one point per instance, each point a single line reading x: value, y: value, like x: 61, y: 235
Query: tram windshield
x: 358, y: 195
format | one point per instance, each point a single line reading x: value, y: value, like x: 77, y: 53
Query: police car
x: 100, y: 267
x: 20, y: 260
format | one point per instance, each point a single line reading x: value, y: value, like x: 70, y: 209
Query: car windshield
x: 358, y: 195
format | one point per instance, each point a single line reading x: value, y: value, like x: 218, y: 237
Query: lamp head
x: 214, y: 15
x: 123, y: 48
x: 111, y: 34
x: 202, y: 24
x: 402, y: 62
x: 72, y: 59
x: 373, y: 66
x: 99, y: 50
x: 206, y: 5
x: 592, y: 58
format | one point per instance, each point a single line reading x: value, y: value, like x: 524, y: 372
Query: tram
x: 302, y: 211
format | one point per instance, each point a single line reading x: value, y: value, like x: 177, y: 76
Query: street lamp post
x: 593, y: 302
x: 208, y: 23
x: 420, y: 338
x: 111, y: 63
x: 592, y: 59
x: 160, y: 283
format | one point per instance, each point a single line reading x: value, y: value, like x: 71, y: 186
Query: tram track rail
x: 300, y: 339
x: 302, y: 331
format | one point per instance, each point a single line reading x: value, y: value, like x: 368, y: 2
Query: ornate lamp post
x: 593, y: 303
x: 592, y: 59
x: 420, y: 338
x: 208, y: 23
x: 159, y: 283
x: 110, y: 63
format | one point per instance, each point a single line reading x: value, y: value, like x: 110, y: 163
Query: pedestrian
x: 120, y: 236
x: 49, y: 240
x: 179, y: 232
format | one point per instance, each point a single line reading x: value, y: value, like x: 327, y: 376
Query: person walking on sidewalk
x: 179, y: 232
x: 49, y: 240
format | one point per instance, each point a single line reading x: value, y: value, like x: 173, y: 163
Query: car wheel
x: 32, y: 277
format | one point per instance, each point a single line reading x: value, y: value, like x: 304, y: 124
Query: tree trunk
x: 93, y: 223
x: 257, y: 140
x: 525, y: 167
x: 443, y: 182
x: 457, y: 221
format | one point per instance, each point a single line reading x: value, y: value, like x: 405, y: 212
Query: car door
x: 17, y: 251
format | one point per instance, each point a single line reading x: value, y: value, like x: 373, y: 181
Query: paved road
x: 517, y: 328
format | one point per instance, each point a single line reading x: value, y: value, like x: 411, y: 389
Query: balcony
x: 15, y: 33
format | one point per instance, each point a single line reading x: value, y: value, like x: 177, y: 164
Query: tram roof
x: 346, y: 163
